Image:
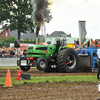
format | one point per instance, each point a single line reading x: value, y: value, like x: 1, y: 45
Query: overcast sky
x: 67, y: 13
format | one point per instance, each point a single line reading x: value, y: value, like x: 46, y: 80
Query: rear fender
x: 62, y: 47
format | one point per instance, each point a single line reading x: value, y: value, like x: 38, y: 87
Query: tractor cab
x: 59, y: 42
x: 61, y: 39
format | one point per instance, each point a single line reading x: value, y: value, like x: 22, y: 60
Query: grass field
x: 43, y: 79
x: 6, y: 67
x: 12, y: 67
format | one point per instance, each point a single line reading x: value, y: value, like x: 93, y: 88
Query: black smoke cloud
x: 42, y: 11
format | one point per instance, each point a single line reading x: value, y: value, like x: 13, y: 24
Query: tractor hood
x: 41, y: 50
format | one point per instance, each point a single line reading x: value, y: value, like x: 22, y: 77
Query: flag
x: 82, y: 32
x: 44, y: 30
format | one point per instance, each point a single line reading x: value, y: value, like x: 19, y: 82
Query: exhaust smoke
x: 42, y: 11
x: 41, y: 14
x: 37, y: 30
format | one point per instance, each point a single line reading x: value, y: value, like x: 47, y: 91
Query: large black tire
x: 25, y: 68
x: 41, y: 64
x: 64, y: 57
x: 51, y: 69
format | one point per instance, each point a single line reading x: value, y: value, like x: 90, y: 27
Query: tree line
x: 17, y: 14
x: 6, y: 41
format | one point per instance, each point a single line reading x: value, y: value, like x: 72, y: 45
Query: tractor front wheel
x: 41, y: 64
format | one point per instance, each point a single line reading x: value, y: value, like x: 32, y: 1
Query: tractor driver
x: 98, y: 55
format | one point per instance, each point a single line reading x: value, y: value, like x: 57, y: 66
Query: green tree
x: 7, y: 41
x: 17, y: 14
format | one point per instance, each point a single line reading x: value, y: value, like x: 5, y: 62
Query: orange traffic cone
x: 8, y: 79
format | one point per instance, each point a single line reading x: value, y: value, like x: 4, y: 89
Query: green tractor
x: 50, y: 58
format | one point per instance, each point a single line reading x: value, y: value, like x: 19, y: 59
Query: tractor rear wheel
x: 41, y: 64
x: 24, y: 68
x: 67, y: 60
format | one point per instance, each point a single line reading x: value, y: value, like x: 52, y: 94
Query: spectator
x: 0, y: 53
x: 7, y: 53
x: 2, y: 48
x: 93, y: 45
x: 76, y: 47
x: 21, y: 52
x: 3, y: 53
x: 12, y: 53
x: 88, y: 43
x: 96, y: 43
x: 17, y: 52
x: 86, y: 46
x: 25, y: 51
x: 92, y: 40
x: 83, y: 45
x: 77, y: 42
x: 98, y: 55
x: 9, y: 49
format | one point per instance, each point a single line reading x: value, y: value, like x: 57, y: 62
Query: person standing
x: 96, y: 43
x: 98, y: 55
x: 88, y: 44
x: 77, y: 41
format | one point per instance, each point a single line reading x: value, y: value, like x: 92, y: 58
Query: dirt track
x: 49, y: 91
x: 36, y: 72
